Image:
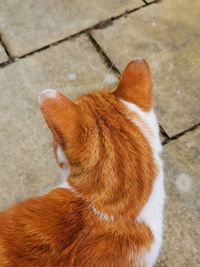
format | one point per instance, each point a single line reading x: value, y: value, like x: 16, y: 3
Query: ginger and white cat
x: 110, y: 213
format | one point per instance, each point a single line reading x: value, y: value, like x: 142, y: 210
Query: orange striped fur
x: 112, y: 175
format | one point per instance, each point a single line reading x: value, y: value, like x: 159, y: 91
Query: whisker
x: 109, y: 70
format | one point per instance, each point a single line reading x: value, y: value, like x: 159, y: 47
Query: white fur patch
x: 152, y: 213
x: 61, y: 155
x: 147, y: 122
x: 102, y: 215
x: 65, y: 171
x: 66, y: 185
x: 48, y: 93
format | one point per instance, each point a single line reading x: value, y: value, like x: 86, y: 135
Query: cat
x: 110, y: 212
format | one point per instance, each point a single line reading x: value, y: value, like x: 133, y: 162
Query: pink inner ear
x: 136, y: 84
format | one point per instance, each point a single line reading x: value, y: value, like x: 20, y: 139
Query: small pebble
x: 71, y: 76
x: 184, y: 183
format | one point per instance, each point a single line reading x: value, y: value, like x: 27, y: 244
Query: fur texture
x: 110, y: 214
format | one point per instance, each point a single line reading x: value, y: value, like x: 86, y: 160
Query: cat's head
x: 108, y: 154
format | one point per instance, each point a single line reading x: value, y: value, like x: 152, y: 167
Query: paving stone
x: 29, y: 25
x: 167, y: 35
x: 3, y: 56
x: 182, y: 212
x: 27, y: 166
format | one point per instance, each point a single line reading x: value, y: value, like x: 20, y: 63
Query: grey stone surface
x: 29, y: 25
x: 182, y: 213
x: 3, y: 56
x: 167, y: 35
x: 27, y: 166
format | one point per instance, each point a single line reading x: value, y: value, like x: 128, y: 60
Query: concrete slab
x: 29, y: 25
x: 182, y: 220
x: 3, y: 55
x: 167, y: 35
x: 27, y: 166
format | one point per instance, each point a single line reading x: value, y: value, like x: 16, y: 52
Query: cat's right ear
x: 135, y: 84
x: 62, y: 115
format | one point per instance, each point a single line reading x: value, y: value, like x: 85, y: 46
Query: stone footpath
x: 77, y: 48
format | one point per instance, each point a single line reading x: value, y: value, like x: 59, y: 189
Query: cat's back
x: 40, y: 231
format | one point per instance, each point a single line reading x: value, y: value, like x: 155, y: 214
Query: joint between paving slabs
x: 163, y: 133
x: 152, y: 2
x: 102, y: 24
x: 103, y: 55
x: 145, y: 2
x: 175, y: 137
x: 5, y: 48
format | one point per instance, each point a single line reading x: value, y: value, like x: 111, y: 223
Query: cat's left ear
x: 135, y: 85
x: 62, y: 115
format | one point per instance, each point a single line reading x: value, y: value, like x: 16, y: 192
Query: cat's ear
x: 135, y: 85
x: 61, y: 114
